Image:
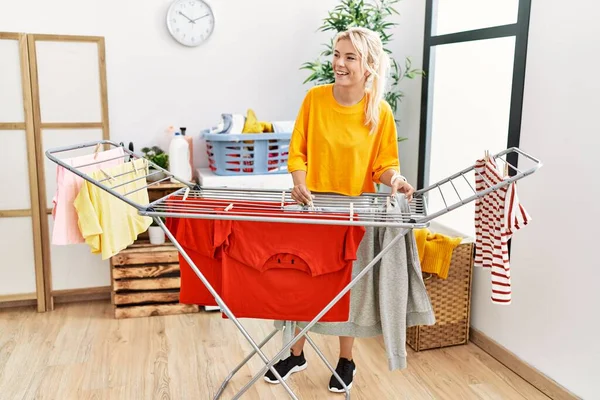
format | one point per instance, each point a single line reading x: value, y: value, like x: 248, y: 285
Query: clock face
x: 190, y: 22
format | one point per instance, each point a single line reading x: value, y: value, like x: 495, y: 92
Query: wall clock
x: 190, y: 22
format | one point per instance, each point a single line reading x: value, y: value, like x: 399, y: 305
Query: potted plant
x: 371, y: 14
x: 156, y: 233
x: 157, y: 156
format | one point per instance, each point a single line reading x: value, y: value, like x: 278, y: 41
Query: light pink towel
x: 66, y: 230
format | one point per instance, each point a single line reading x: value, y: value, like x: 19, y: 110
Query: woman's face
x: 347, y: 65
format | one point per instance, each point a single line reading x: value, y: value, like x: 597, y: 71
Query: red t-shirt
x: 266, y: 270
x: 196, y: 237
x: 287, y: 271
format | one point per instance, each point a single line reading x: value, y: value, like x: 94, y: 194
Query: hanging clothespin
x: 229, y: 207
x: 187, y: 192
x: 282, y: 198
x: 387, y: 202
x: 145, y: 166
x: 351, y: 211
x: 96, y: 150
x: 112, y: 178
x: 505, y: 168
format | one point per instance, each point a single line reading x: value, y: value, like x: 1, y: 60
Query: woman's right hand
x: 301, y: 194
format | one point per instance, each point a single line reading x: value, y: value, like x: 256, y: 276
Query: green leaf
x: 372, y: 14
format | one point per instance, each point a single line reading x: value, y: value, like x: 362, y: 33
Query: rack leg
x: 223, y: 306
x: 240, y: 365
x: 303, y: 332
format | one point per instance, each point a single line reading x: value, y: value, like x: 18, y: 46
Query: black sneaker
x: 287, y: 367
x: 346, y: 369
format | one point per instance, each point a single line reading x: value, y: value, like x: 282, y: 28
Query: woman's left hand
x: 403, y: 187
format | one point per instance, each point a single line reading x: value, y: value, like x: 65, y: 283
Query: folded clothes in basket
x: 229, y: 123
x: 253, y: 125
x: 283, y: 126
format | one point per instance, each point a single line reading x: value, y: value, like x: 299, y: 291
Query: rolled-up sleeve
x: 298, y: 157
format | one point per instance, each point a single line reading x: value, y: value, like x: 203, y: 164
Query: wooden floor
x: 80, y: 352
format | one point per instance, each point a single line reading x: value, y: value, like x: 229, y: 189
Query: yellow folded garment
x: 107, y: 223
x: 435, y: 251
x: 253, y: 125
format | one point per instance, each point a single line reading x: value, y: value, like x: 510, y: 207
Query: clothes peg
x: 229, y: 207
x: 351, y: 211
x: 112, y: 178
x: 135, y: 168
x: 96, y: 150
x: 282, y: 198
x: 187, y: 192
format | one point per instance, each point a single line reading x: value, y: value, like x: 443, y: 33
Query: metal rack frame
x: 275, y: 206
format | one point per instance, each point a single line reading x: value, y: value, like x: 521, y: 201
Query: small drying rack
x: 274, y: 206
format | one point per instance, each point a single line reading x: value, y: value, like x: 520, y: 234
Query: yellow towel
x: 253, y: 125
x: 435, y: 251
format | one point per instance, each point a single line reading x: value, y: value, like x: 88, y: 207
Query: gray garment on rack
x: 388, y: 299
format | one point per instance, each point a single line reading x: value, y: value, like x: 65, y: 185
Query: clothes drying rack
x: 340, y: 210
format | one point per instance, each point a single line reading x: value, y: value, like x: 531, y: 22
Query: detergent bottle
x: 179, y: 158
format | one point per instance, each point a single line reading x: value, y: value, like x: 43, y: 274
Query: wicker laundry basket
x: 451, y: 301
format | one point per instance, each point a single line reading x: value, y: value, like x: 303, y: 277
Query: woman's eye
x: 351, y: 58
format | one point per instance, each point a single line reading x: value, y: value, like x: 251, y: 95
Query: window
x: 474, y: 59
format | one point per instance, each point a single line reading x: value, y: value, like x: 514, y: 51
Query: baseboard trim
x: 18, y: 303
x: 6, y: 298
x: 537, y: 379
x: 85, y: 294
x: 59, y: 296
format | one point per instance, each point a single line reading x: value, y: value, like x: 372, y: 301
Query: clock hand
x: 189, y: 19
x: 205, y: 15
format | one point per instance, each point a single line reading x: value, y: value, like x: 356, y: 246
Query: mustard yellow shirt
x: 435, y: 251
x: 107, y: 223
x: 332, y: 144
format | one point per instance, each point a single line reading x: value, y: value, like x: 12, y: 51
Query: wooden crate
x: 451, y: 301
x: 146, y: 281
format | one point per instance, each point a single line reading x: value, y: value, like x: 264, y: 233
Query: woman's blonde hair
x: 375, y: 60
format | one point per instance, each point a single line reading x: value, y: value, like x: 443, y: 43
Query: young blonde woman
x: 344, y: 141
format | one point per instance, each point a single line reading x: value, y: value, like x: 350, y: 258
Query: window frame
x: 520, y: 31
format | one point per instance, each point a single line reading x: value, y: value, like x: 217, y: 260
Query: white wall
x: 553, y: 321
x: 252, y: 60
x: 409, y: 39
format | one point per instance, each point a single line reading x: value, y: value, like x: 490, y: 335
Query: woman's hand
x: 399, y: 185
x: 301, y: 194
